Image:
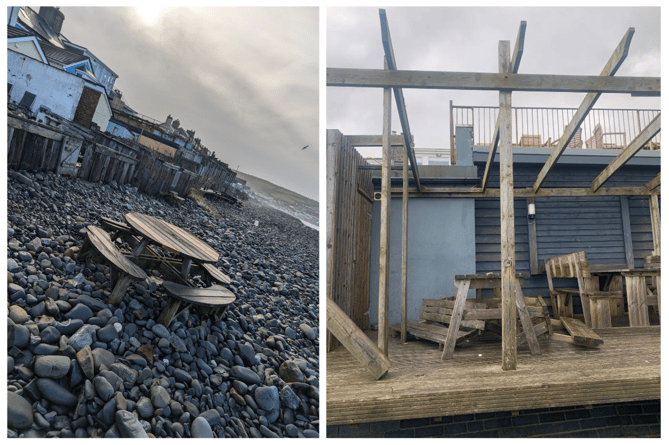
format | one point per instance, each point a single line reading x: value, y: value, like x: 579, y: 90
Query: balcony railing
x: 543, y: 127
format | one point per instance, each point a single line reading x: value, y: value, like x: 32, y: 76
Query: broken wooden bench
x: 211, y: 300
x: 98, y: 242
x: 579, y: 333
x: 596, y: 304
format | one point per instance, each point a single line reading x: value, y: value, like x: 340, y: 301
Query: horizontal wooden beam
x: 626, y: 154
x: 588, y: 102
x: 34, y: 128
x: 374, y: 78
x: 373, y: 140
x: 477, y: 192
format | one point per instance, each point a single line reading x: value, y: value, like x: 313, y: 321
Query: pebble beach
x: 80, y: 367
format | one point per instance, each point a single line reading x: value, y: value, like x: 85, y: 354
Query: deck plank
x: 419, y: 384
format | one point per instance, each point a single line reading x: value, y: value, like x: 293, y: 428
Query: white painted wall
x: 27, y: 48
x: 53, y: 88
x: 102, y: 112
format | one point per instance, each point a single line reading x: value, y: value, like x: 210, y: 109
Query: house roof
x: 13, y: 32
x: 82, y: 50
x: 30, y: 19
x: 19, y: 35
x: 62, y: 56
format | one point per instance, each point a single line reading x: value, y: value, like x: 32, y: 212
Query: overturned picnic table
x: 171, y: 238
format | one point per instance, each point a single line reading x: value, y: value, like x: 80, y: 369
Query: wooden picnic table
x: 486, y: 281
x: 171, y: 238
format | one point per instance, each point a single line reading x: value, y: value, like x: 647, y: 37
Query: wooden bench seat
x: 212, y: 272
x: 98, y: 240
x: 213, y: 299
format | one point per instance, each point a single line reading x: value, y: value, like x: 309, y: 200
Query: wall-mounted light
x: 531, y: 211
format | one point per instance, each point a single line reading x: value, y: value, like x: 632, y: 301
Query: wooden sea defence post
x: 384, y: 253
x: 508, y: 239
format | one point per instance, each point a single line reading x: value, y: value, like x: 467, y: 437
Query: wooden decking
x: 419, y: 384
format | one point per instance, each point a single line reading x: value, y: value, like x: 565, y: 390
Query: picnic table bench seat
x: 98, y: 240
x: 214, y: 299
x: 212, y: 272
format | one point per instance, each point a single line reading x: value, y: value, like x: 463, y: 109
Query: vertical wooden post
x: 655, y: 221
x: 405, y: 234
x: 508, y: 238
x: 385, y: 222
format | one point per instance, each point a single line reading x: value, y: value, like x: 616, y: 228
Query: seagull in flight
x: 304, y: 147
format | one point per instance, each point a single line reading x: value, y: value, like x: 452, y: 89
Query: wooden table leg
x: 657, y: 289
x: 636, y: 300
x: 526, y: 321
x: 590, y: 284
x: 185, y: 268
x: 454, y: 325
x: 119, y: 289
x: 168, y: 312
x: 137, y: 251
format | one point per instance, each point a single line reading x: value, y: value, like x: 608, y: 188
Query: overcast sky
x: 244, y: 79
x: 570, y: 41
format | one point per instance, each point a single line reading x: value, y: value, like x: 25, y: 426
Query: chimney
x: 169, y: 119
x: 53, y: 17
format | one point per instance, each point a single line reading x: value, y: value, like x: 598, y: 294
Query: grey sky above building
x: 245, y: 79
x: 567, y: 41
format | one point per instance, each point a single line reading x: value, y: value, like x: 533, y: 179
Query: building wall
x: 156, y: 145
x: 52, y: 87
x: 102, y: 113
x: 441, y: 242
x: 594, y: 224
x: 26, y: 48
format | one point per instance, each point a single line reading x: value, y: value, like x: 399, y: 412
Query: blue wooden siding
x: 566, y: 224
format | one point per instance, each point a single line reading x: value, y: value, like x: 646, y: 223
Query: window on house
x: 27, y: 100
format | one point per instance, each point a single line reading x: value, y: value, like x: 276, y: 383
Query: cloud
x: 245, y: 79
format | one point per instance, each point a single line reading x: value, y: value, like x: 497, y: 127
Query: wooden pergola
x: 506, y: 81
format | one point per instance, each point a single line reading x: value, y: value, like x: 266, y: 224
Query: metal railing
x: 543, y: 127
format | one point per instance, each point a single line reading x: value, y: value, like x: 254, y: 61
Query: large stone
x: 103, y: 388
x: 52, y: 366
x: 128, y: 374
x: 102, y: 357
x: 289, y: 371
x: 83, y: 337
x: 54, y: 392
x: 308, y: 331
x: 86, y: 362
x: 79, y: 312
x: 288, y: 398
x: 246, y: 375
x: 159, y: 396
x: 19, y: 412
x: 18, y: 314
x: 18, y: 335
x: 267, y: 398
x: 129, y: 426
x: 200, y: 429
